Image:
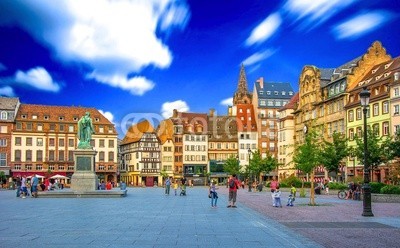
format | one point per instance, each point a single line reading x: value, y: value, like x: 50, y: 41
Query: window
x: 39, y: 155
x: 39, y: 142
x: 385, y: 107
x: 101, y: 129
x: 375, y: 129
x: 70, y: 156
x: 17, y: 155
x: 51, y: 155
x: 3, y: 159
x: 28, y: 155
x: 101, y: 143
x: 29, y: 126
x: 3, y: 142
x: 61, y: 155
x: 71, y: 128
x: 101, y: 156
x: 51, y: 142
x: 39, y: 167
x: 111, y: 156
x: 18, y: 126
x: 396, y: 109
x: 351, y: 134
x: 375, y: 109
x: 40, y: 127
x: 358, y: 114
x: 4, y: 115
x: 385, y: 128
x: 62, y: 128
x: 351, y: 115
x: 110, y: 143
x: 29, y: 141
x: 71, y: 143
x: 52, y: 127
x: 61, y: 142
x: 17, y: 141
x: 3, y: 129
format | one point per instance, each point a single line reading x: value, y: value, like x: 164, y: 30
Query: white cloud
x: 168, y: 108
x: 258, y: 57
x: 314, y: 12
x: 135, y: 85
x: 227, y: 102
x: 2, y: 67
x: 361, y: 24
x: 112, y: 37
x: 38, y: 78
x: 265, y: 29
x: 7, y: 91
x: 108, y: 115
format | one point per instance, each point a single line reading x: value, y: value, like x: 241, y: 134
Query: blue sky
x: 143, y: 58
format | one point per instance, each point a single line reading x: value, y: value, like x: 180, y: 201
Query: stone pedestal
x: 84, y: 178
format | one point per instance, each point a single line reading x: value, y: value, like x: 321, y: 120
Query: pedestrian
x: 18, y: 184
x: 176, y: 187
x: 34, y: 186
x: 167, y: 186
x: 292, y: 196
x: 23, y: 187
x: 214, y: 195
x: 47, y: 183
x: 233, y: 187
x: 277, y: 198
x: 273, y: 186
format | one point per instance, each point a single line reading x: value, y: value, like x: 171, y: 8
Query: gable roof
x: 135, y: 132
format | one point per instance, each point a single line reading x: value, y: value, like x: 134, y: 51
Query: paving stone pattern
x: 149, y: 218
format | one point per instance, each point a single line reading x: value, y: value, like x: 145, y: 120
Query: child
x: 277, y: 198
x: 214, y: 195
x: 176, y: 187
x: 292, y: 196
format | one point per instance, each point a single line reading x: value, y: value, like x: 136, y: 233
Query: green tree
x: 307, y: 156
x: 259, y: 165
x: 232, y: 166
x: 394, y: 159
x: 378, y: 149
x: 334, y: 152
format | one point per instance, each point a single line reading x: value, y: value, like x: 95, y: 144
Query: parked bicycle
x: 342, y: 194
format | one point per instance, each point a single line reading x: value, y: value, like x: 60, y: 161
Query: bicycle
x: 343, y: 193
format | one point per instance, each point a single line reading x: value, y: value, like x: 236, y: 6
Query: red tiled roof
x: 136, y: 132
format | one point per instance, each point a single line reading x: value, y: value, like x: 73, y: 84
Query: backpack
x: 232, y: 184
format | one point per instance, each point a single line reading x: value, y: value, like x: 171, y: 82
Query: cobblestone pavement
x: 333, y: 222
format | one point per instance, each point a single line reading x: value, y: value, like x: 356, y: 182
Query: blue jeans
x: 277, y: 202
x: 167, y: 188
x: 214, y: 199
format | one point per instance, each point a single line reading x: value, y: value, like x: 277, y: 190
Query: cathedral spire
x: 242, y: 96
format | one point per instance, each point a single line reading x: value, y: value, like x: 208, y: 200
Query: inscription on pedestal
x: 83, y: 163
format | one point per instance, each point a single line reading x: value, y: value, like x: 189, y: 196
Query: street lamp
x: 248, y: 169
x: 367, y: 210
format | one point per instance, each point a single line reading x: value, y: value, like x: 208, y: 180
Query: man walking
x: 167, y: 186
x: 34, y: 186
x: 233, y: 187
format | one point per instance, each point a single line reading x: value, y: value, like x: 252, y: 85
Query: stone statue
x: 85, y: 131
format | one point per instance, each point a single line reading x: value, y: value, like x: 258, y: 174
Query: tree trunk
x: 312, y: 192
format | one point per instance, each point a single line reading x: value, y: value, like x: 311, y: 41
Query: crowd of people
x: 29, y: 186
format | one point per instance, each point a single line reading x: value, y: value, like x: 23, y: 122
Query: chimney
x: 212, y: 111
x: 261, y: 81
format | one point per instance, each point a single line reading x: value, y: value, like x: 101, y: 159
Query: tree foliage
x: 232, y: 166
x: 334, y: 152
x: 307, y: 156
x: 259, y: 165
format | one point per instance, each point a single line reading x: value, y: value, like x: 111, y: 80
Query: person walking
x: 34, y: 186
x: 176, y: 187
x: 277, y: 198
x: 167, y: 186
x: 233, y: 187
x: 23, y: 187
x: 214, y: 194
x: 18, y: 185
x: 273, y: 186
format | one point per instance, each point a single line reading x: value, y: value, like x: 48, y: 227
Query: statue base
x: 84, y: 177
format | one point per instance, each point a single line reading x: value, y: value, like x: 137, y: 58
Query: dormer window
x: 396, y: 76
x: 283, y: 93
x: 75, y: 118
x: 4, y: 115
x: 23, y: 116
x: 34, y: 117
x: 268, y: 92
x: 61, y: 118
x: 275, y: 93
x: 96, y: 119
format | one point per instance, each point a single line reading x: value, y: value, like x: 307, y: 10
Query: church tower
x: 242, y: 95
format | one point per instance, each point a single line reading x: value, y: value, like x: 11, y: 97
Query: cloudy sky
x: 143, y: 58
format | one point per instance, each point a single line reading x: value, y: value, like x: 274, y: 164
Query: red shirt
x: 237, y: 183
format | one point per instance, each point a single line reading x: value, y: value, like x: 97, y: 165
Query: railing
x: 148, y: 171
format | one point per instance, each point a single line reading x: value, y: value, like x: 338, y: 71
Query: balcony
x: 150, y: 171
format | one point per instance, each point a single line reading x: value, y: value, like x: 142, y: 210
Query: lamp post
x: 367, y: 210
x: 248, y: 169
